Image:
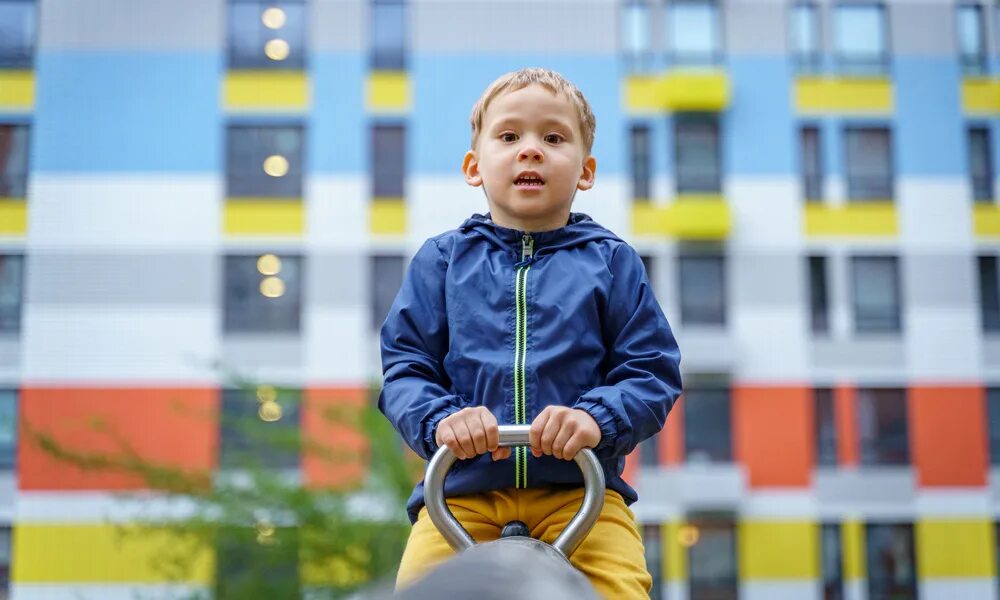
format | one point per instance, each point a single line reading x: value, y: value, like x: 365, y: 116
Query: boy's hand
x: 562, y: 432
x: 470, y: 432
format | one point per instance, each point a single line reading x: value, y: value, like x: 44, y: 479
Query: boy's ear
x: 587, y: 175
x: 470, y: 168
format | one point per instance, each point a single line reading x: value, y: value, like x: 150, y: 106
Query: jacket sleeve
x: 414, y: 341
x: 642, y: 364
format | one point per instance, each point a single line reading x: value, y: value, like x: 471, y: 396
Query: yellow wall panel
x: 852, y: 540
x: 842, y: 95
x: 387, y: 216
x: 13, y: 216
x: 986, y: 219
x: 679, y: 90
x: 266, y: 91
x: 388, y: 91
x: 981, y: 95
x: 675, y: 566
x: 264, y: 216
x: 778, y: 550
x: 854, y: 219
x: 63, y: 553
x: 689, y: 217
x: 955, y: 548
x: 17, y: 90
x: 643, y: 93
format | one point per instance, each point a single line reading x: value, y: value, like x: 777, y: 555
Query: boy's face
x: 530, y: 159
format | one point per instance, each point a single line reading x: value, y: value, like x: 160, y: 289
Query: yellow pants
x: 611, y: 556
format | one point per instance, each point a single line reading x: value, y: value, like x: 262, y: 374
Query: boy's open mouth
x: 529, y: 179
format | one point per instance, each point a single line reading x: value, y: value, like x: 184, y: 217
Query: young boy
x: 530, y: 314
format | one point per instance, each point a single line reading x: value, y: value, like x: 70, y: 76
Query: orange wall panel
x: 845, y: 413
x: 947, y: 435
x: 773, y: 434
x: 332, y: 447
x: 174, y: 427
x: 671, y: 446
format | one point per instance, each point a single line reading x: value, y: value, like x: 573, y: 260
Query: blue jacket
x: 489, y: 316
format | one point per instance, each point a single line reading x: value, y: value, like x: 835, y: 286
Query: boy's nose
x: 530, y: 152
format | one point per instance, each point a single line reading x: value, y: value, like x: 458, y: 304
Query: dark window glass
x: 652, y: 542
x: 648, y: 263
x: 707, y: 437
x: 869, y: 163
x: 891, y: 567
x: 260, y: 428
x: 266, y: 35
x: 971, y: 39
x: 805, y: 37
x: 980, y: 164
x: 882, y: 426
x: 703, y: 290
x: 11, y: 292
x: 13, y: 160
x: 649, y: 452
x: 826, y: 428
x: 812, y: 164
x: 8, y: 428
x: 263, y: 294
x: 637, y: 48
x: 989, y: 293
x: 258, y: 562
x: 696, y: 154
x: 819, y: 297
x: 387, y: 276
x: 693, y: 32
x: 264, y: 161
x: 5, y: 562
x: 859, y: 39
x: 388, y: 22
x: 712, y: 562
x: 830, y: 561
x: 18, y: 32
x: 993, y: 418
x: 388, y: 160
x: 639, y: 138
x: 875, y: 282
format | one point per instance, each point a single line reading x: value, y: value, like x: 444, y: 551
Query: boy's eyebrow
x: 518, y: 121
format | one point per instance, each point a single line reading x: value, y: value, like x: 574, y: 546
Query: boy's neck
x: 530, y: 225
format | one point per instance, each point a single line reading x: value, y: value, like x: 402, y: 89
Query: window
x: 812, y: 163
x: 652, y: 542
x: 8, y: 429
x: 826, y: 427
x: 388, y: 161
x: 819, y: 295
x: 830, y: 561
x: 707, y: 424
x: 869, y: 164
x: 264, y: 161
x: 13, y: 160
x: 18, y: 31
x: 636, y: 45
x: 648, y: 264
x: 649, y: 452
x: 875, y: 282
x: 805, y: 37
x: 693, y: 32
x: 387, y: 276
x: 971, y: 39
x: 703, y: 290
x: 260, y: 427
x: 388, y: 31
x: 712, y: 557
x: 993, y: 419
x: 266, y: 35
x: 263, y: 294
x: 882, y: 426
x: 640, y: 161
x: 258, y: 562
x: 696, y: 154
x: 980, y: 164
x: 11, y: 292
x: 891, y: 570
x: 989, y: 293
x: 5, y: 561
x: 859, y: 39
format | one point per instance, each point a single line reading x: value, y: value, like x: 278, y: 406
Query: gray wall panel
x: 766, y: 280
x: 939, y: 281
x: 890, y: 486
x: 924, y: 28
x: 516, y: 27
x: 124, y: 279
x: 754, y: 28
x: 247, y: 354
x: 337, y: 280
x: 180, y: 25
x: 859, y: 354
x: 339, y: 26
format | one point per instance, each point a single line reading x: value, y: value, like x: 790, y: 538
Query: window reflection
x: 264, y: 161
x: 971, y: 39
x: 805, y: 37
x: 18, y: 33
x: 266, y: 35
x: 859, y: 34
x: 697, y: 154
x: 702, y: 290
x: 891, y: 570
x: 11, y: 292
x: 386, y: 278
x: 636, y: 43
x: 826, y: 427
x: 247, y: 439
x: 693, y: 31
x: 640, y: 154
x: 251, y: 304
x: 707, y: 426
x: 712, y: 558
x: 980, y: 164
x: 13, y: 160
x: 869, y: 164
x: 8, y: 429
x: 989, y: 293
x: 875, y: 282
x: 882, y: 427
x: 388, y: 31
x: 388, y: 160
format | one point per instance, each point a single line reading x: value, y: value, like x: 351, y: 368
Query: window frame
x: 872, y: 561
x: 22, y: 184
x: 806, y: 63
x: 978, y: 64
x: 730, y: 585
x: 981, y: 183
x: 881, y: 64
x: 808, y: 179
x: 819, y: 307
x: 639, y: 179
x: 826, y: 446
x: 696, y: 319
x: 851, y: 182
x: 235, y: 177
x: 388, y: 59
x: 641, y: 61
x: 375, y: 305
x: 298, y: 56
x: 236, y: 325
x: 710, y: 455
x: 683, y: 187
x: 877, y: 450
x: 989, y: 300
x: 377, y: 172
x: 715, y: 55
x: 832, y: 587
x: 241, y: 448
x: 893, y: 327
x: 18, y: 314
x: 26, y: 60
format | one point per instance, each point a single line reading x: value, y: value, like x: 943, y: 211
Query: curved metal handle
x: 514, y: 435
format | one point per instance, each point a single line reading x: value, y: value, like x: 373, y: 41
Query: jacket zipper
x: 520, y: 352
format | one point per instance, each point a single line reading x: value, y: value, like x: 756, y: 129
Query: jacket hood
x: 580, y: 230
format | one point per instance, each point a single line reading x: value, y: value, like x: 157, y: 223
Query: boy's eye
x: 553, y: 138
x: 508, y: 137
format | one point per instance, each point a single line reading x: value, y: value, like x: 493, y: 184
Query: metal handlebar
x: 514, y: 435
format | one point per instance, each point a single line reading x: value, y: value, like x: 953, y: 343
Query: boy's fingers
x: 478, y: 431
x: 552, y: 427
x: 501, y: 454
x: 464, y: 438
x: 562, y: 437
x: 573, y: 446
x: 492, y: 432
x: 535, y: 433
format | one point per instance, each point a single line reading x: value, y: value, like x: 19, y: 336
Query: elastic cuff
x: 430, y: 427
x: 605, y: 420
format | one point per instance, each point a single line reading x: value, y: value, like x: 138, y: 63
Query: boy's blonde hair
x: 550, y: 80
